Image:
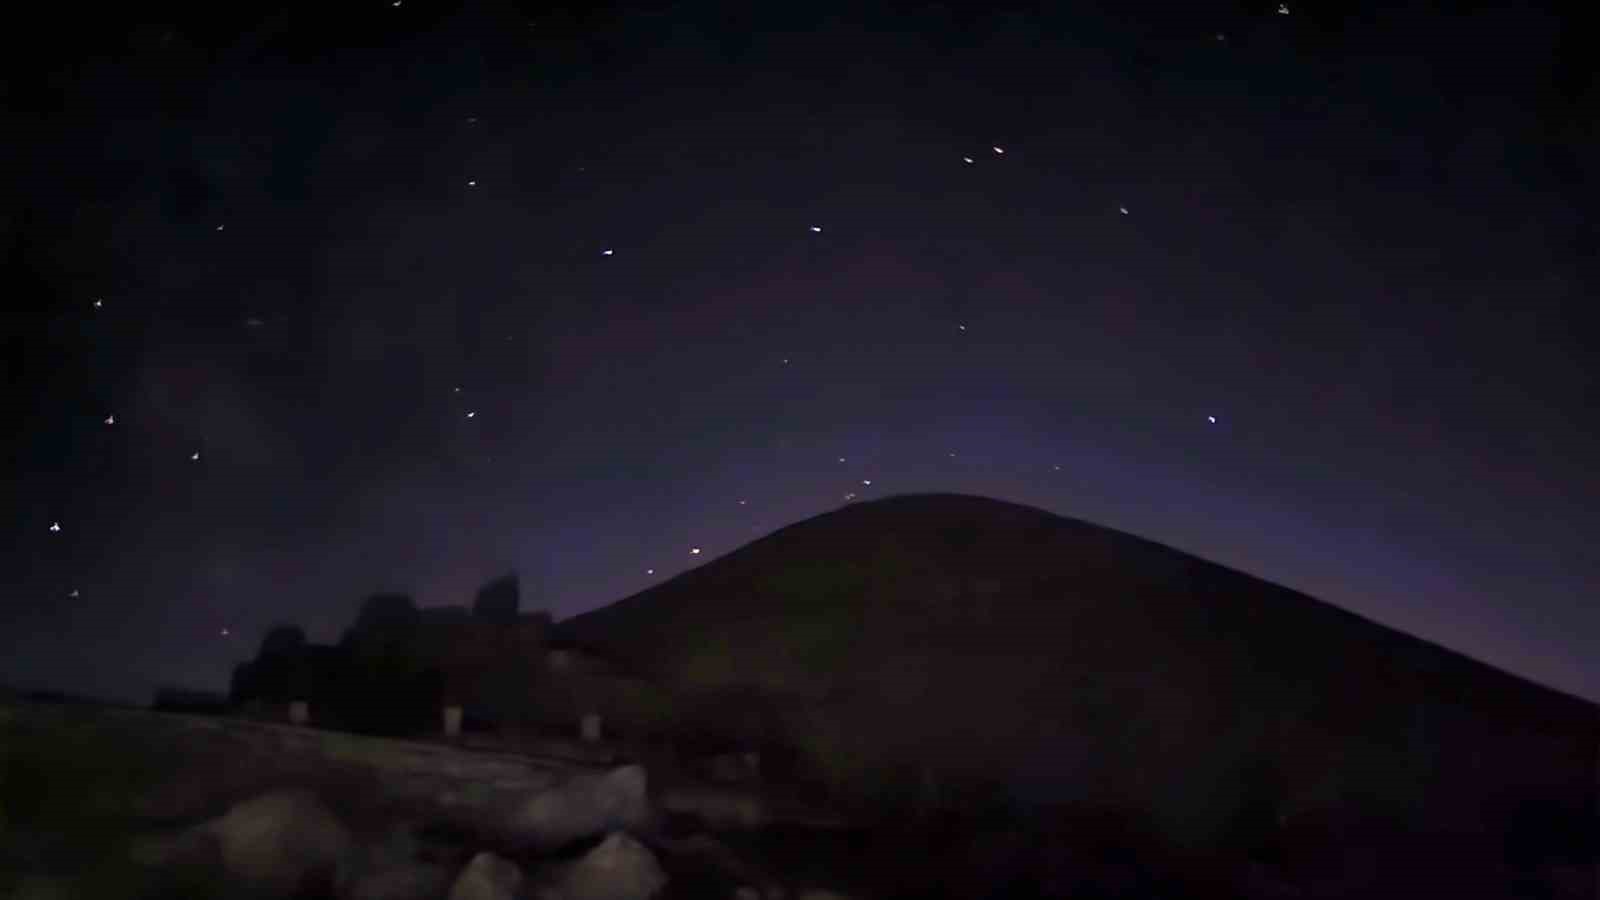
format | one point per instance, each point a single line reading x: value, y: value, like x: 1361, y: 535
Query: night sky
x: 306, y: 303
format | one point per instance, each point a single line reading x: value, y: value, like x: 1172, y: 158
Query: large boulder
x: 619, y: 868
x: 584, y: 806
x: 282, y: 842
x: 488, y: 877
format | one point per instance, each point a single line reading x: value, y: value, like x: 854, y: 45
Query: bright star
x: 1283, y: 9
x: 1123, y: 209
x: 841, y: 459
x: 55, y: 526
x: 816, y: 229
x: 967, y: 160
x: 962, y: 327
x: 867, y: 482
x: 1211, y: 419
x: 73, y: 594
x: 741, y: 502
x: 694, y: 551
x: 220, y: 227
x: 98, y: 303
x: 999, y: 151
x: 111, y: 419
x: 194, y: 455
x: 471, y: 414
x: 649, y: 571
x: 606, y: 252
x: 225, y: 631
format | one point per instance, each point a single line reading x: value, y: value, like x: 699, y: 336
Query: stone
x: 619, y: 868
x: 282, y: 842
x: 584, y: 806
x: 487, y: 877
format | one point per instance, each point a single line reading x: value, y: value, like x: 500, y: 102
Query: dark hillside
x: 923, y: 647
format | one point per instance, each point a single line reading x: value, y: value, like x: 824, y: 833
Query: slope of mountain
x: 919, y: 649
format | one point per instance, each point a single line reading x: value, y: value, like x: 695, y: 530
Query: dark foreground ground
x: 79, y: 787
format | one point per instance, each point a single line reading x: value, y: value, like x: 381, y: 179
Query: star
x: 55, y: 526
x: 395, y: 3
x: 254, y: 322
x: 694, y: 551
x: 220, y: 227
x: 961, y: 327
x: 1283, y: 9
x: 225, y: 631
x: 1221, y: 36
x: 867, y: 482
x: 741, y: 502
x: 606, y: 252
x: 1123, y: 209
x: 472, y: 414
x: 649, y: 571
x: 111, y: 419
x: 816, y: 229
x: 1211, y: 419
x: 967, y: 160
x: 998, y: 151
x: 786, y: 361
x: 1057, y: 468
x: 472, y: 184
x: 195, y: 455
x: 458, y: 390
x: 99, y: 303
x: 952, y: 454
x: 73, y: 593
x: 849, y: 495
x: 472, y: 120
x: 841, y: 459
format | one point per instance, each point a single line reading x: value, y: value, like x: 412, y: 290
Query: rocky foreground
x: 109, y: 803
x: 98, y: 802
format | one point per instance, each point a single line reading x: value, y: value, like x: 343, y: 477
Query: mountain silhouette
x: 929, y: 650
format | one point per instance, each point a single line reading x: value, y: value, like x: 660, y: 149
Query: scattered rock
x: 584, y: 806
x: 488, y: 877
x: 281, y: 842
x: 619, y: 868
